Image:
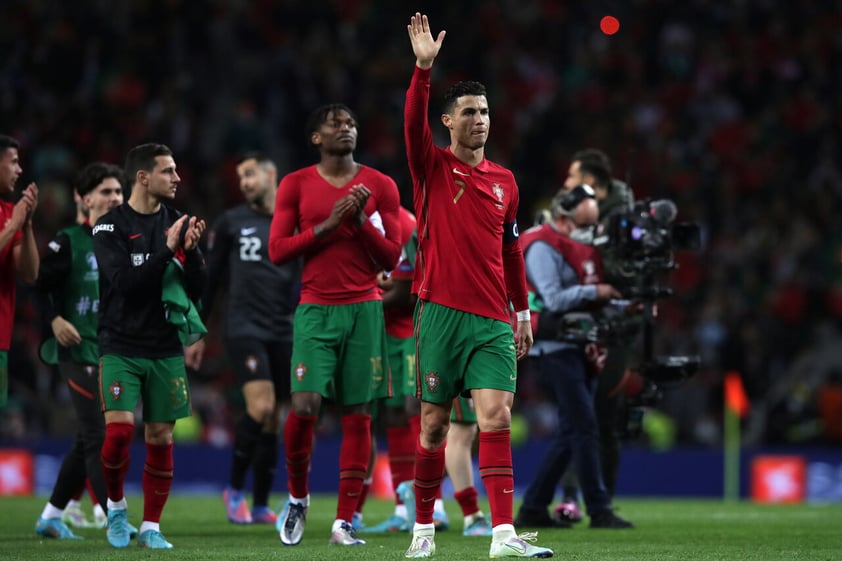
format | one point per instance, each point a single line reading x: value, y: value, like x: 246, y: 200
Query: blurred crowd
x: 731, y: 109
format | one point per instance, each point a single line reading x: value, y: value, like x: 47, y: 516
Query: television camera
x: 637, y: 246
x: 641, y: 243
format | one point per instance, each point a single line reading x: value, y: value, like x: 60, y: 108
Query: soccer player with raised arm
x: 468, y: 271
x: 342, y: 218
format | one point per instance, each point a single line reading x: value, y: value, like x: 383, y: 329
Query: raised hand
x: 423, y: 45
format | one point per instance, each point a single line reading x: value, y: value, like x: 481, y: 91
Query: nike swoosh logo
x: 516, y: 548
x: 508, y: 491
x: 457, y: 172
x: 135, y: 236
x: 512, y: 378
x: 247, y: 231
x: 428, y: 499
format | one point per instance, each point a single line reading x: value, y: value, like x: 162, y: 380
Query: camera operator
x: 564, y: 274
x: 593, y: 167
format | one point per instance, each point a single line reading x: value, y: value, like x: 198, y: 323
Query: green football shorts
x: 402, y: 363
x: 463, y: 411
x: 458, y: 352
x: 160, y: 382
x: 338, y: 351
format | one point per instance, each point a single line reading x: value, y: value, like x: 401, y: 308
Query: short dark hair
x: 7, y: 142
x: 95, y: 173
x: 596, y: 163
x: 459, y: 89
x: 142, y: 157
x: 319, y: 115
x: 261, y: 158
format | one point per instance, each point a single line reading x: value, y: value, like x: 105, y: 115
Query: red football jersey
x: 461, y: 212
x: 8, y: 283
x: 399, y: 320
x: 342, y: 267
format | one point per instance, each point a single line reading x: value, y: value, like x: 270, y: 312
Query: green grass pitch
x: 666, y: 530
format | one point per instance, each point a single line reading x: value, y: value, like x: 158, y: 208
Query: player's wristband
x: 523, y: 315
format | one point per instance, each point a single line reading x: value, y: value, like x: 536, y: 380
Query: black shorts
x: 262, y: 360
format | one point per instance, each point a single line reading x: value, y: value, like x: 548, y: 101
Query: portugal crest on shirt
x: 498, y: 191
x: 432, y: 381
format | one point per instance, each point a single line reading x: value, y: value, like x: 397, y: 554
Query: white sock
x: 305, y: 501
x: 73, y: 503
x: 98, y: 512
x: 471, y: 517
x: 50, y: 511
x: 502, y: 532
x: 338, y: 524
x: 145, y: 525
x: 424, y: 529
x: 118, y: 505
x: 400, y: 510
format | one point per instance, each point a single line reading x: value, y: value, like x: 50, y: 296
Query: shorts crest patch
x: 116, y: 390
x: 432, y: 381
x: 300, y: 371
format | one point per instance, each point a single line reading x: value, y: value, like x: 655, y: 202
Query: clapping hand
x: 195, y: 229
x: 25, y: 207
x: 190, y: 238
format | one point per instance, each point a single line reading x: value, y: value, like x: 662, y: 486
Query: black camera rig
x: 640, y: 243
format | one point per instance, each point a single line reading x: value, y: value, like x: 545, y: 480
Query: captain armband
x: 510, y: 232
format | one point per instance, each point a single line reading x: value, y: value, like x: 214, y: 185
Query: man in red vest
x: 564, y: 274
